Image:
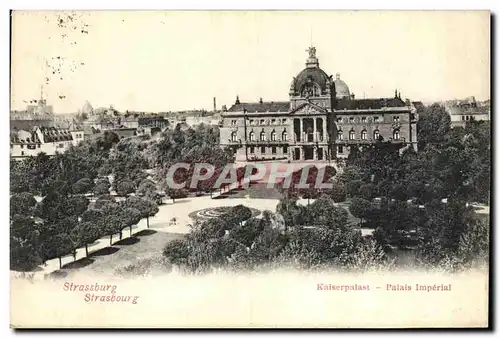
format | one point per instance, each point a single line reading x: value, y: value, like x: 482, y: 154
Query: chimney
x: 260, y: 101
x: 215, y: 104
x: 237, y: 100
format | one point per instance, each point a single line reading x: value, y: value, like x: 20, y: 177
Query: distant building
x: 25, y: 143
x: 34, y: 115
x: 197, y: 120
x: 152, y: 122
x: 469, y: 109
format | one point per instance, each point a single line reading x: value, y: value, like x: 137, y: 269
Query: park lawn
x: 141, y: 246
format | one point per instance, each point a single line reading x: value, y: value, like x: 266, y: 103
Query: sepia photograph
x: 250, y: 169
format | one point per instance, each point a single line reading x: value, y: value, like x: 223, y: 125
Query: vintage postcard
x: 250, y: 169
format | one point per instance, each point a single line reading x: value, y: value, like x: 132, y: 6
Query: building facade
x: 321, y: 121
x: 461, y: 111
x: 48, y: 140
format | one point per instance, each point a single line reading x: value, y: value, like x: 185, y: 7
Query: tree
x: 88, y: 232
x: 337, y: 192
x: 360, y: 208
x: 177, y: 251
x: 352, y: 188
x: 125, y: 187
x: 104, y: 200
x: 433, y: 125
x: 24, y: 244
x: 146, y: 188
x: 102, y: 187
x: 55, y: 238
x: 55, y: 207
x: 324, y: 214
x: 83, y: 186
x: 146, y: 207
x: 22, y: 203
x: 131, y: 216
x: 107, y: 140
x: 293, y: 214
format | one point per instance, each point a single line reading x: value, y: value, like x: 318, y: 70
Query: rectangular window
x: 285, y: 149
x: 22, y: 153
x: 463, y: 118
x: 22, y: 146
x: 38, y: 146
x: 363, y: 119
x: 262, y: 150
x: 252, y: 150
x: 61, y: 145
x: 341, y: 149
x: 273, y: 150
x: 262, y: 122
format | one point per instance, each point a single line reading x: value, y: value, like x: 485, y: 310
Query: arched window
x: 395, y: 134
x: 273, y: 136
x: 262, y: 136
x: 351, y: 135
x: 284, y: 136
x: 252, y: 136
x: 376, y: 135
x: 233, y: 136
x: 340, y: 135
x: 364, y: 134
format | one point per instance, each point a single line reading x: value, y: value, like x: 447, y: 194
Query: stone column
x: 301, y: 131
x: 315, y: 132
x: 325, y: 130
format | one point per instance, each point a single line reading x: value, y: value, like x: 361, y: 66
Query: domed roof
x: 311, y: 75
x: 341, y: 88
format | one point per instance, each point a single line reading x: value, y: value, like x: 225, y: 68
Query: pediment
x: 308, y: 109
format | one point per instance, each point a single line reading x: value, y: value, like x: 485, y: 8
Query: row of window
x: 251, y: 150
x: 396, y: 135
x: 351, y: 119
x: 262, y: 122
x: 364, y: 119
x: 364, y: 135
x: 467, y: 118
x: 28, y: 146
x: 262, y: 136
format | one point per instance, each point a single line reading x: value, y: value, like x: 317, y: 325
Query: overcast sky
x: 161, y: 61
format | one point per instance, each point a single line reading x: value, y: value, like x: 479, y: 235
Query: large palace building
x: 320, y: 122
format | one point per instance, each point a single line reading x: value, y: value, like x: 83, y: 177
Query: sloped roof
x: 353, y: 104
x: 55, y: 135
x: 261, y: 107
x: 33, y: 139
